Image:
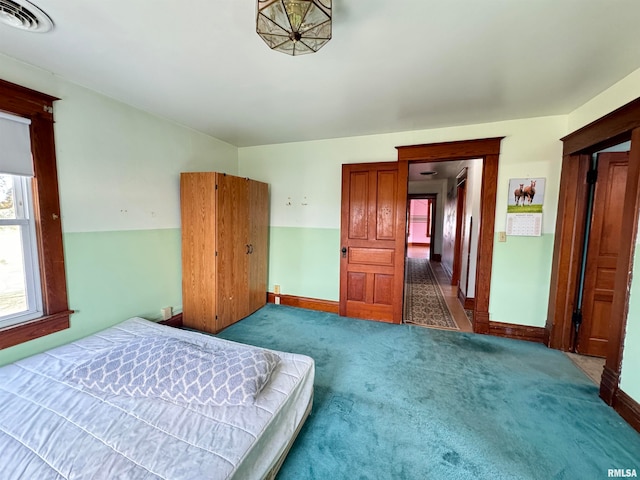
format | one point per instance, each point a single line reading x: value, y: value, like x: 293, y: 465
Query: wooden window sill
x: 39, y: 327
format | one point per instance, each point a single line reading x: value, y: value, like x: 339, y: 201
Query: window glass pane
x: 13, y: 292
x: 7, y: 197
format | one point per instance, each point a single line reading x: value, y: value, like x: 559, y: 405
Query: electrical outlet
x: 276, y: 289
x: 167, y: 313
x: 502, y: 236
x: 277, y: 300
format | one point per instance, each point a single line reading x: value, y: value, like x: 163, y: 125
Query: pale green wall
x: 630, y: 377
x: 313, y: 170
x: 303, y: 261
x: 519, y: 297
x: 118, y: 171
x: 112, y: 276
x: 623, y: 92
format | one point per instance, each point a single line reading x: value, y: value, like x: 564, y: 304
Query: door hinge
x: 216, y: 254
x: 216, y: 186
x: 592, y: 176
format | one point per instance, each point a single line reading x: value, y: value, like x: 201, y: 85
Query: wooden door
x: 232, y: 201
x: 602, y: 253
x: 258, y: 237
x: 373, y: 241
x: 459, y: 233
x: 198, y: 221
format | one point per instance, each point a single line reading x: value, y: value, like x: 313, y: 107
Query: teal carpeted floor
x: 405, y: 402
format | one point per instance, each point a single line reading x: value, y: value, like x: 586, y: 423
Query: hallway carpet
x: 405, y: 402
x: 424, y: 302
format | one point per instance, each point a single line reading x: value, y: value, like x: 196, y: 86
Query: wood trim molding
x: 489, y: 150
x: 608, y: 130
x: 460, y: 150
x: 328, y: 306
x: 467, y: 303
x: 25, y: 102
x: 567, y: 250
x: 609, y: 385
x: 175, y: 321
x: 39, y: 327
x: 518, y: 332
x: 628, y: 409
x: 461, y: 296
x: 38, y: 107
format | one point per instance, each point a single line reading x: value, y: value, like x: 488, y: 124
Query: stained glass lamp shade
x: 294, y: 27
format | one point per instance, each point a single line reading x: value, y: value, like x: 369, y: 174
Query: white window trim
x: 23, y: 201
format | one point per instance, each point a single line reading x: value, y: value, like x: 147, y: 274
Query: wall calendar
x: 524, y: 207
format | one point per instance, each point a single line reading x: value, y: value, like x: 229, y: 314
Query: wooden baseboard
x: 436, y: 257
x: 328, y: 306
x: 609, y: 385
x: 518, y: 332
x: 628, y: 409
x: 481, y: 322
x: 175, y: 321
x: 467, y: 303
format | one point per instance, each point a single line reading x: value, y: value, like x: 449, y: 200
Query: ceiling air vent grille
x: 24, y: 15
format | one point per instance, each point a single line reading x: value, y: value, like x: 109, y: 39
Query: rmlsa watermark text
x: 622, y: 473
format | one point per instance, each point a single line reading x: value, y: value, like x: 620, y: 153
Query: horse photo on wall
x: 526, y: 195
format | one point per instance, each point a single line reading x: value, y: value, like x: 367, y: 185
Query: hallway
x: 449, y: 292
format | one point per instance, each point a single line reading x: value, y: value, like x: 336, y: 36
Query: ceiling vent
x: 25, y: 16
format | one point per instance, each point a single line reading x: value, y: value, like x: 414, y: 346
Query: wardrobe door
x: 258, y: 216
x: 198, y: 220
x: 233, y: 249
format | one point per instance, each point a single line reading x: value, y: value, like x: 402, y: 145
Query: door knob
x: 344, y: 252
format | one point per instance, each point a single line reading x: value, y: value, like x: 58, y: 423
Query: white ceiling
x: 391, y: 65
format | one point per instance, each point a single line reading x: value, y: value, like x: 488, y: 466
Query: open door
x: 602, y: 253
x: 373, y: 241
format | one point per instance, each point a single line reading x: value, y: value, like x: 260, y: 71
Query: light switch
x: 502, y: 236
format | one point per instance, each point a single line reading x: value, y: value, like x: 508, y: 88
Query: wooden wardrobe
x: 224, y: 248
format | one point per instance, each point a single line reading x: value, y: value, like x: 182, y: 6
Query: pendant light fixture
x: 294, y: 27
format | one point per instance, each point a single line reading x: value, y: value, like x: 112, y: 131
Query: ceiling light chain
x: 294, y: 27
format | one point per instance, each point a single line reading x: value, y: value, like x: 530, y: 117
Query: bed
x: 63, y: 417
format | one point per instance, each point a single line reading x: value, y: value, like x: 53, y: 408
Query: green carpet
x: 405, y: 402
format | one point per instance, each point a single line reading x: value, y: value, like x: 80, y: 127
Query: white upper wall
x: 620, y: 94
x: 118, y: 167
x: 531, y: 148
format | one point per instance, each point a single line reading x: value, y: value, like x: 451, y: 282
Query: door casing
x: 487, y: 149
x: 614, y: 128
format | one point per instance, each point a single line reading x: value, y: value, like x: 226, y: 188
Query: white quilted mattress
x: 52, y: 429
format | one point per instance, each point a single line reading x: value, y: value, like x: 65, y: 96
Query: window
x: 20, y: 294
x: 33, y: 292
